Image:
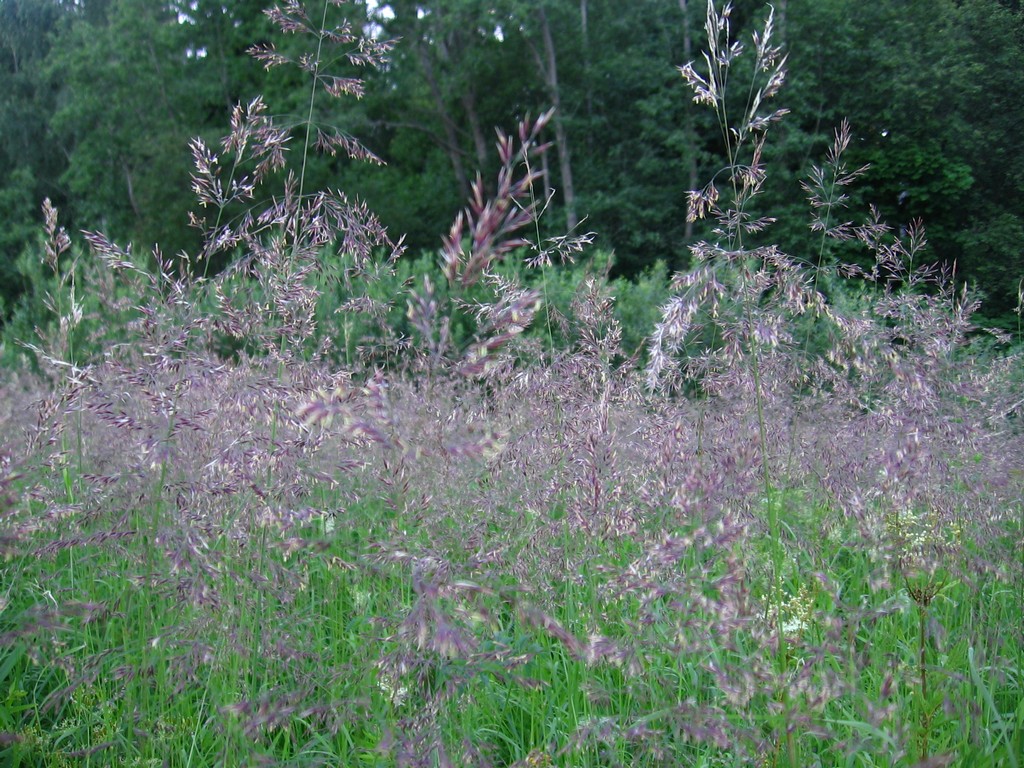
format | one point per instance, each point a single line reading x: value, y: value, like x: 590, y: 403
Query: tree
x: 135, y: 84
x: 28, y: 169
x: 645, y: 143
x: 933, y: 92
x: 534, y: 21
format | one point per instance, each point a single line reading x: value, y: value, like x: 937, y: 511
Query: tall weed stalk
x: 731, y: 278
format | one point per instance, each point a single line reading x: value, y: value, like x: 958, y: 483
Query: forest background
x: 99, y: 99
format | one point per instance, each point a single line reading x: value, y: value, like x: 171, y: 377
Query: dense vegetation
x: 99, y: 98
x: 291, y: 495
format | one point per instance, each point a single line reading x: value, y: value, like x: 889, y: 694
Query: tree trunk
x: 451, y: 131
x: 130, y: 188
x: 546, y: 170
x: 692, y: 180
x: 476, y: 127
x: 410, y: 26
x: 588, y: 88
x: 549, y: 70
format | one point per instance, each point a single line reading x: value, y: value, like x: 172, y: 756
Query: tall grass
x: 793, y: 538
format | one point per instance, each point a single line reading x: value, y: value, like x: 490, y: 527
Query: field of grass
x: 792, y: 534
x: 471, y: 626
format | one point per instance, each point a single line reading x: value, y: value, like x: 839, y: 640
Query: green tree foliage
x: 28, y: 167
x: 135, y: 84
x: 639, y: 135
x: 122, y: 121
x: 932, y: 89
x: 98, y: 99
x: 431, y: 114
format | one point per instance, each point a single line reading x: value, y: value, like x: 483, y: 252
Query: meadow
x: 317, y: 509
